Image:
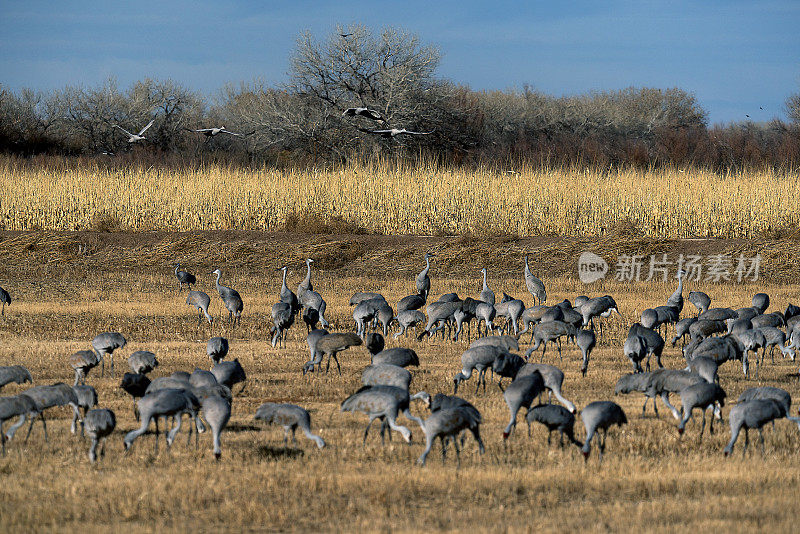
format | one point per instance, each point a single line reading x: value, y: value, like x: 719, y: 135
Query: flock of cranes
x: 716, y: 335
x: 373, y: 115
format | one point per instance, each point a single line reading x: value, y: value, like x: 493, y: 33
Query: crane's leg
x: 156, y: 448
x: 294, y: 439
x: 561, y: 357
x: 2, y: 438
x: 703, y: 423
x: 544, y: 350
x: 746, y: 440
x: 458, y: 452
x: 338, y: 367
x: 366, y: 430
x: 761, y: 439
x: 428, y: 446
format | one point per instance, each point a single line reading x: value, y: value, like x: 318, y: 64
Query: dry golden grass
x: 389, y: 200
x: 650, y: 479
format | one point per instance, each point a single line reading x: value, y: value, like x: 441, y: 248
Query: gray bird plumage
x: 519, y: 393
x: 230, y: 373
x: 385, y: 374
x: 379, y: 402
x: 231, y: 298
x: 331, y: 345
x: 45, y: 397
x: 600, y: 416
x: 477, y: 359
x: 14, y: 373
x: 701, y: 395
x: 99, y: 424
x: 423, y: 281
x: 201, y: 301
x: 5, y: 299
x: 82, y: 362
x: 752, y: 414
x: 553, y: 380
x: 554, y: 417
x: 700, y: 300
x: 142, y: 362
x: 106, y: 343
x: 217, y: 349
x: 290, y: 417
x: 446, y: 424
x: 217, y: 413
x: 586, y: 341
x: 487, y: 295
x: 17, y: 406
x: 184, y: 277
x: 399, y: 356
x: 534, y: 285
x: 87, y: 399
x: 165, y: 403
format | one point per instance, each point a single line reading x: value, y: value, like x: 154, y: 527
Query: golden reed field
x: 70, y: 281
x: 391, y: 199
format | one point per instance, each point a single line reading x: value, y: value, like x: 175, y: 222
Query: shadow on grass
x: 267, y: 452
x: 236, y: 427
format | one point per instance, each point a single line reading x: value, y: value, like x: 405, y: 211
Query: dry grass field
x: 70, y: 286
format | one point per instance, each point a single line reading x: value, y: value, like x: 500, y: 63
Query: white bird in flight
x: 211, y: 132
x: 132, y: 138
x: 394, y: 132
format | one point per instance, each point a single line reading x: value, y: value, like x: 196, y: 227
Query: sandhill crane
x: 17, y: 406
x: 87, y: 399
x: 703, y: 328
x: 635, y: 349
x: 399, y: 356
x: 774, y: 319
x: 653, y: 341
x: 580, y: 300
x: 231, y: 299
x: 290, y: 417
x: 512, y: 309
x: 331, y: 345
x: 212, y: 132
x: 363, y: 112
x: 761, y: 301
x: 506, y: 365
x: 165, y: 403
x: 393, y: 132
x: 649, y: 318
x: 438, y: 313
x: 313, y: 300
x: 45, y: 397
x: 201, y: 301
x: 408, y: 319
x: 286, y: 294
x: 411, y: 302
x: 217, y: 349
x: 361, y: 296
x: 554, y: 417
x: 719, y: 349
x: 676, y: 299
x: 553, y: 380
x: 374, y: 342
x: 448, y: 423
x: 701, y: 395
x: 82, y: 362
x: 665, y: 381
x: 217, y: 413
x: 386, y: 374
x: 133, y: 138
x: 282, y: 319
x: 551, y: 331
x: 14, y: 373
x: 519, y: 393
x: 200, y: 378
x: 750, y: 340
x: 368, y: 311
x: 707, y: 368
x: 767, y: 392
x: 718, y: 314
x: 636, y: 382
x: 378, y: 402
x: 586, y: 341
x: 775, y: 337
x: 700, y: 300
x: 306, y: 284
x: 752, y: 414
x: 5, y: 298
x: 534, y: 285
x: 423, y: 280
x: 136, y: 386
x: 142, y: 361
x: 737, y: 326
x: 230, y: 373
x: 487, y: 295
x: 597, y: 307
x: 312, y: 338
x: 184, y: 277
x: 477, y: 359
x: 106, y: 343
x: 99, y: 424
x: 504, y: 342
x: 600, y: 415
x: 682, y: 330
x: 747, y: 313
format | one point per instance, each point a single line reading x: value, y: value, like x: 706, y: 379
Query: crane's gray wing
x: 202, y: 130
x: 124, y: 130
x: 232, y: 133
x: 379, y: 132
x: 416, y: 133
x: 149, y: 124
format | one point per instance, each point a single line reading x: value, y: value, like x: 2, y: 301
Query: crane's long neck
x: 527, y: 268
x: 307, y: 280
x: 485, y: 287
x: 176, y: 269
x: 427, y: 268
x: 219, y: 275
x: 284, y: 287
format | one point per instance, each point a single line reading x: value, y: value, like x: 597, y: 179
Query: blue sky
x: 736, y: 56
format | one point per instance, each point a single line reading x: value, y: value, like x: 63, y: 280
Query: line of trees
x: 393, y: 73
